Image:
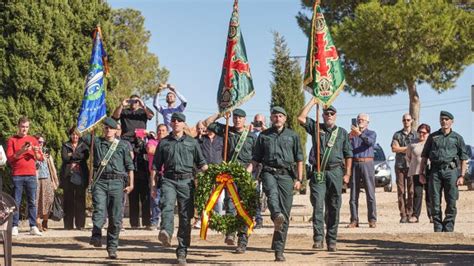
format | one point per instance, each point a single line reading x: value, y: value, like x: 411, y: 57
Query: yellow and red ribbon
x: 224, y: 180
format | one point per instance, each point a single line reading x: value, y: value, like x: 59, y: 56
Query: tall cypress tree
x: 287, y: 85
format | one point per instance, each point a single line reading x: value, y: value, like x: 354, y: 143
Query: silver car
x: 383, y: 172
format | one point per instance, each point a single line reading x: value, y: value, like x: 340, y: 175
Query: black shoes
x: 279, y: 256
x: 332, y: 248
x: 164, y: 238
x: 230, y: 240
x: 181, y: 260
x: 96, y: 242
x: 258, y: 225
x: 112, y: 254
x: 241, y: 248
x: 404, y: 220
x: 318, y: 245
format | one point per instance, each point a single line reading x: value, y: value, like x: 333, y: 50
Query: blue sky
x: 189, y: 38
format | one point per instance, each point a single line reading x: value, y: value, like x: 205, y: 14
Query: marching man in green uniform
x: 336, y: 162
x: 113, y: 172
x: 177, y: 153
x: 278, y: 149
x: 238, y: 134
x: 447, y: 153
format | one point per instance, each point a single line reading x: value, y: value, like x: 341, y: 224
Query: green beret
x: 110, y: 122
x: 331, y: 108
x: 239, y: 112
x: 212, y: 127
x: 179, y: 116
x: 278, y: 109
x: 447, y: 114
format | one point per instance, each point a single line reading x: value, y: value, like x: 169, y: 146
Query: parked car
x: 383, y: 172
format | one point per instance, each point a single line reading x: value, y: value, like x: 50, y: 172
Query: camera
x: 46, y: 150
x: 354, y: 122
x: 132, y: 101
x: 27, y: 144
x: 257, y: 124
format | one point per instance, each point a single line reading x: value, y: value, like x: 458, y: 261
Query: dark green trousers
x: 183, y: 192
x: 326, y: 194
x: 439, y: 181
x: 279, y: 192
x: 107, y: 196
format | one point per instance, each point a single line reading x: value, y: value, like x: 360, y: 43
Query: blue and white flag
x: 93, y: 108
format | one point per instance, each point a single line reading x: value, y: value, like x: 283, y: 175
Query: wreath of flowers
x: 246, y: 186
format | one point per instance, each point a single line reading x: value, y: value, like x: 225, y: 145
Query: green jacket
x: 121, y: 161
x: 278, y: 149
x: 245, y: 155
x: 342, y: 147
x: 178, y: 156
x: 442, y: 149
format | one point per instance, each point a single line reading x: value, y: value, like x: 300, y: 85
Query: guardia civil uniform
x: 445, y: 153
x: 326, y: 192
x: 278, y: 152
x: 244, y: 157
x: 107, y: 192
x: 178, y: 156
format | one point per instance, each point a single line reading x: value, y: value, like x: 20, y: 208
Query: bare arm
x: 348, y: 170
x: 211, y: 119
x: 129, y: 187
x: 396, y: 147
x: 118, y: 110
x: 304, y: 112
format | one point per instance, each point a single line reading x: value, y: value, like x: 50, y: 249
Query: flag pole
x: 91, y: 158
x: 226, y: 135
x: 318, y: 150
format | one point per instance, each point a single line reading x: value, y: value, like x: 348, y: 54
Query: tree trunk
x: 414, y: 103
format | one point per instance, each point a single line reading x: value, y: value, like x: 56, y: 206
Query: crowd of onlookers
x: 33, y: 169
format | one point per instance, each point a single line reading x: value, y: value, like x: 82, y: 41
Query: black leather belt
x: 173, y: 176
x: 110, y: 176
x: 276, y: 171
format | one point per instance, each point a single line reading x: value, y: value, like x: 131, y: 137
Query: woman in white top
x: 413, y: 155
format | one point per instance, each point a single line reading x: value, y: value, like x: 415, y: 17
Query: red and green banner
x: 236, y: 85
x: 323, y: 75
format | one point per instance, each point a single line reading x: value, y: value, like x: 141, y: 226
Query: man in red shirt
x: 22, y: 153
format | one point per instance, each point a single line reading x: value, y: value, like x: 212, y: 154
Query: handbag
x: 3, y: 157
x: 76, y: 178
x: 57, y: 212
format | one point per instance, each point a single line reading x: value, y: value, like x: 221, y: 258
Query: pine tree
x: 287, y: 85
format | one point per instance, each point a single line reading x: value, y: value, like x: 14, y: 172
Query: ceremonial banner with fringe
x: 236, y: 85
x: 323, y: 76
x: 93, y: 108
x: 224, y: 181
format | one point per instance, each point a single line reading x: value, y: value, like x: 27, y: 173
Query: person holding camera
x: 133, y: 122
x: 448, y: 156
x: 23, y: 151
x: 167, y: 111
x: 363, y: 171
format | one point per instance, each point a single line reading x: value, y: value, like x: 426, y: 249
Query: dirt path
x: 390, y: 242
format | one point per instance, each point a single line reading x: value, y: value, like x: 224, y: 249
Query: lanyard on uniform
x: 240, y: 144
x: 106, y: 160
x: 327, y: 152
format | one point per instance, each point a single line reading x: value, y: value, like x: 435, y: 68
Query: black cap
x: 110, y: 122
x: 331, y: 108
x: 239, y: 112
x: 212, y: 127
x: 278, y: 109
x: 179, y: 116
x: 447, y: 114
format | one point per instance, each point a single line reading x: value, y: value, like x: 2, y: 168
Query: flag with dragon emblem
x: 236, y: 85
x: 323, y: 76
x: 93, y: 108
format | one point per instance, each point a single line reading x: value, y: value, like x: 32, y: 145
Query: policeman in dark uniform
x: 278, y: 149
x: 108, y: 187
x: 448, y: 156
x: 178, y: 153
x: 243, y: 157
x: 326, y: 187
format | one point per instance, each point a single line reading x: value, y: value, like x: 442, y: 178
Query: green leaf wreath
x: 246, y: 186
